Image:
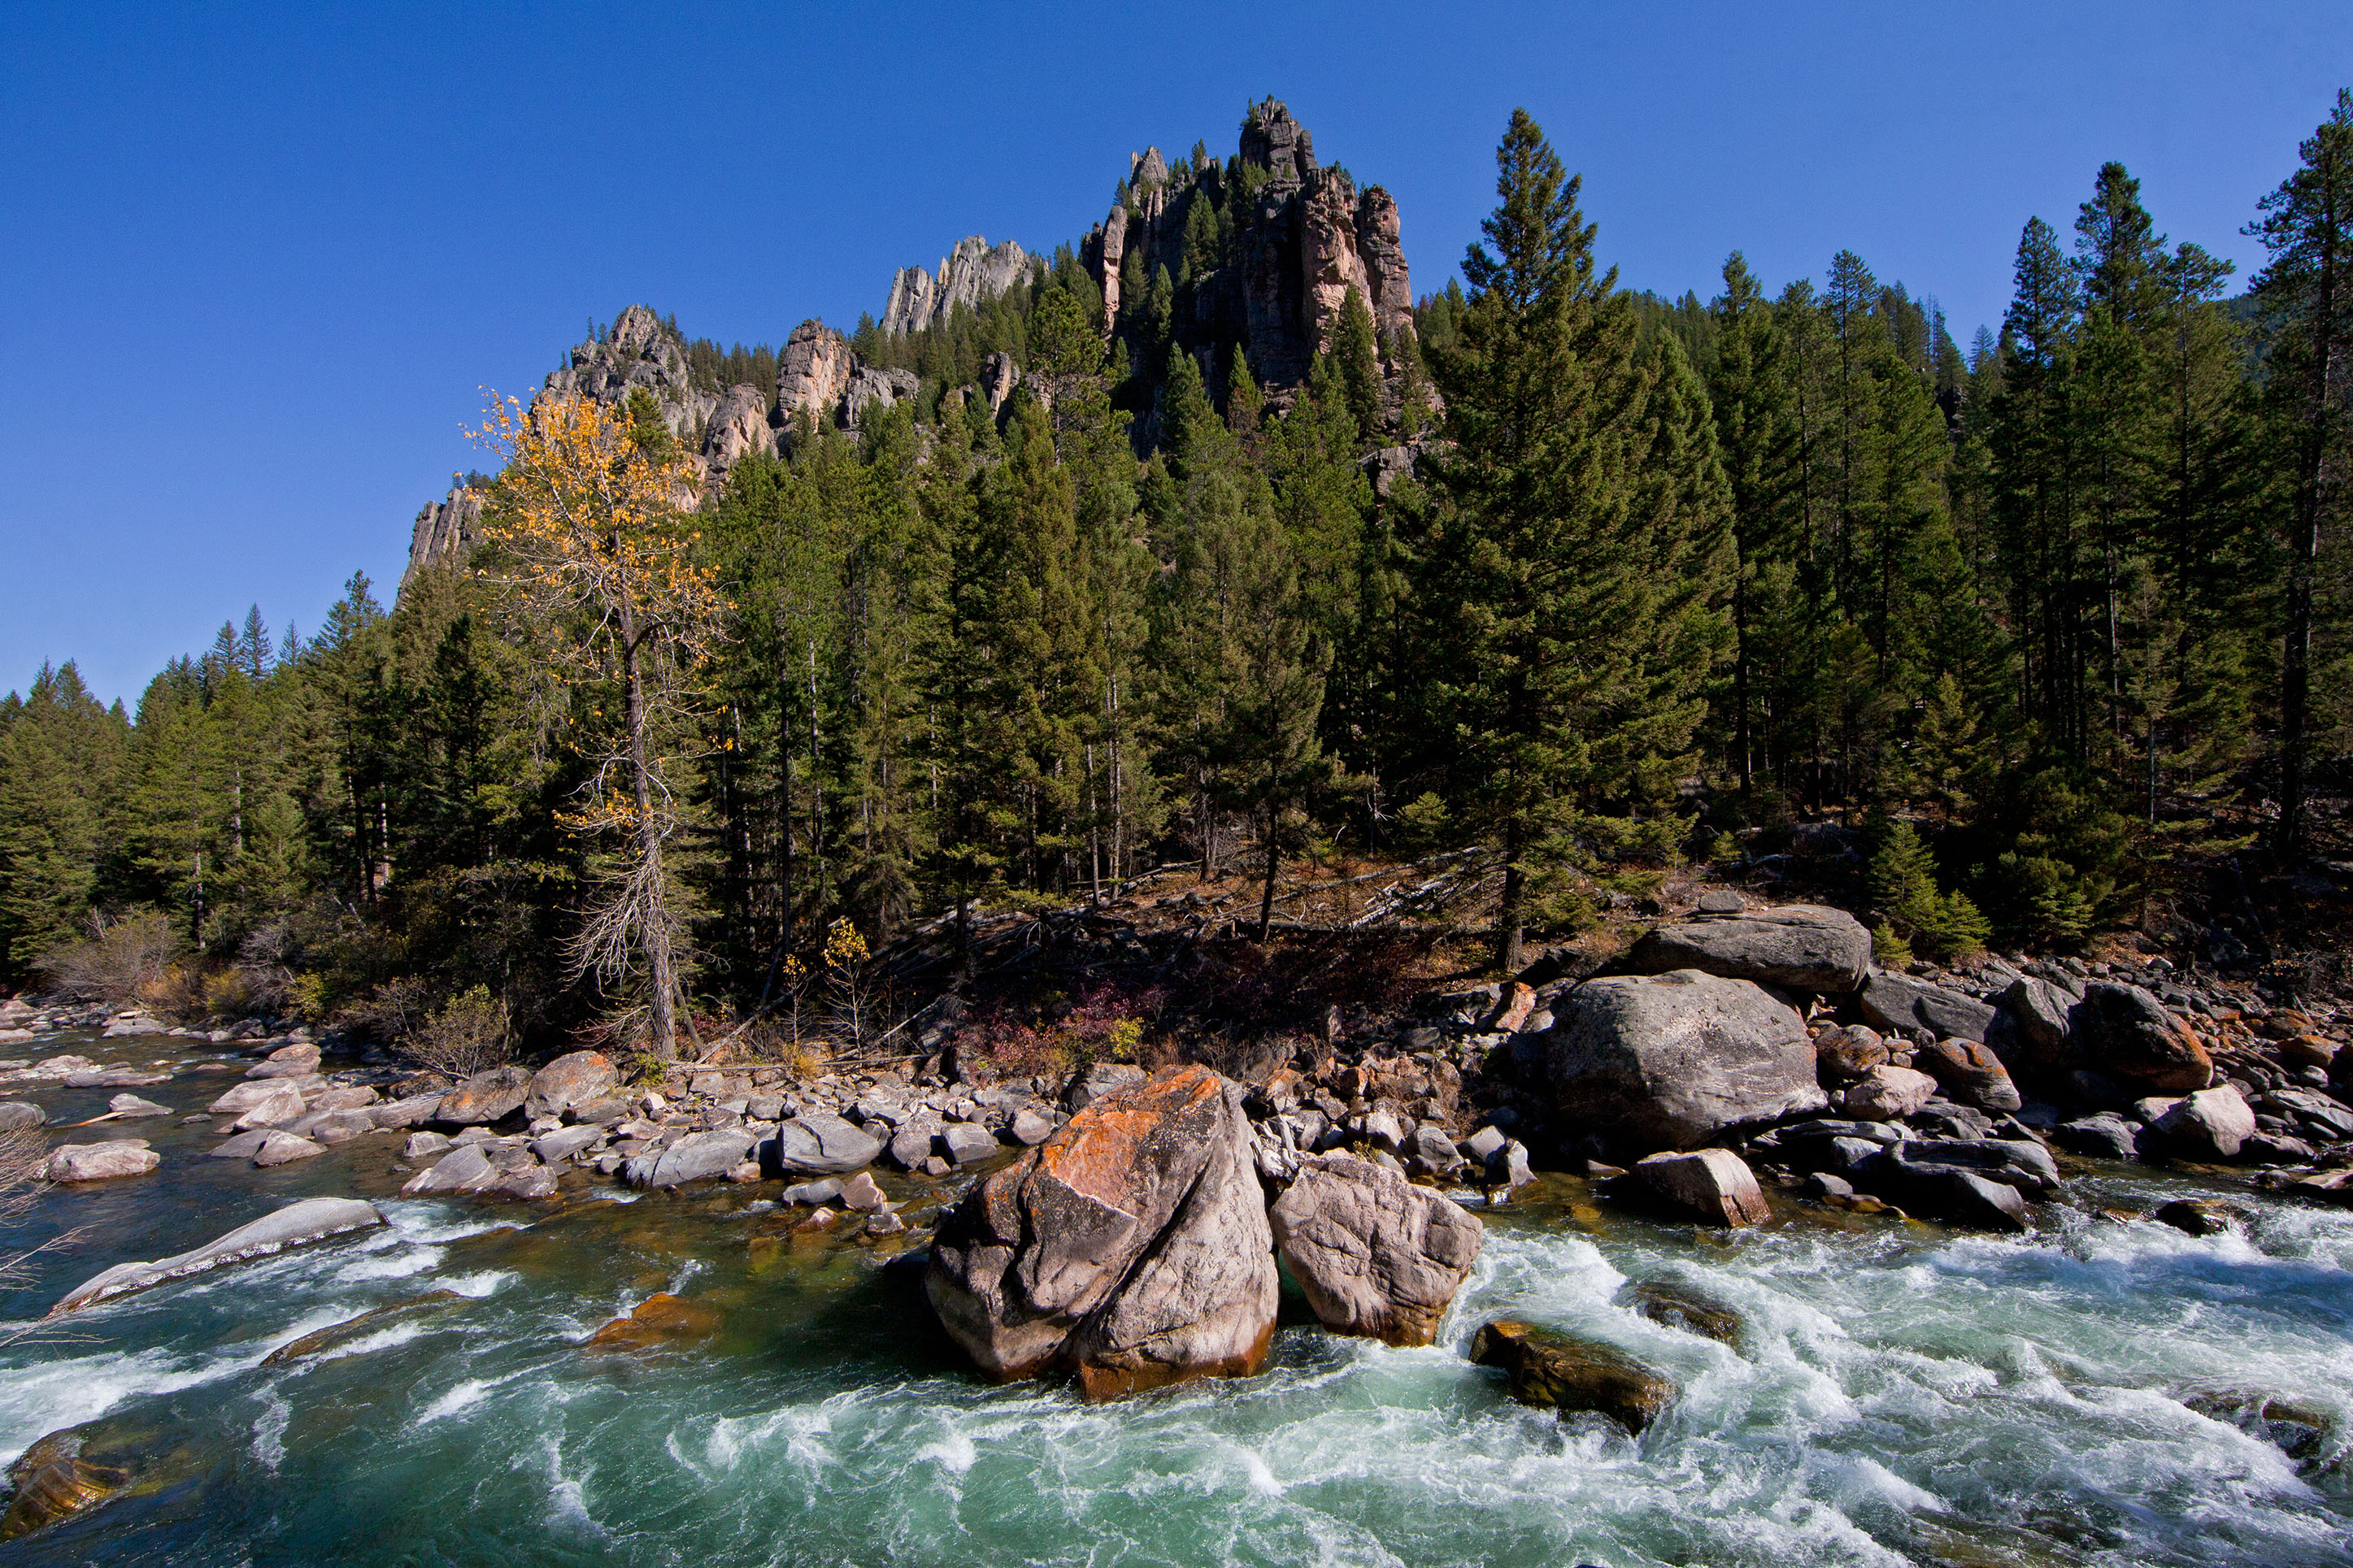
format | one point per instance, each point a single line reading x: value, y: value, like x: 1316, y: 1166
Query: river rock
x: 2034, y: 1026
x: 820, y: 1144
x: 102, y: 1161
x: 278, y: 1148
x: 1572, y: 1374
x: 2124, y: 1032
x: 814, y: 1193
x: 1942, y: 1191
x: 2196, y: 1217
x: 1131, y: 1246
x: 2211, y: 1124
x: 2106, y: 1136
x: 1886, y: 1094
x: 1971, y: 1074
x: 1031, y: 1126
x: 566, y: 1142
x: 485, y: 1097
x: 298, y: 1060
x: 695, y: 1158
x: 533, y: 1181
x: 1898, y: 1005
x: 414, y: 1112
x: 1096, y: 1080
x: 576, y: 1078
x: 16, y: 1115
x: 1714, y: 1183
x: 244, y: 1097
x: 1683, y: 1307
x: 1800, y: 947
x: 1670, y: 1061
x: 966, y: 1141
x: 281, y: 1103
x: 308, y: 1220
x: 130, y: 1107
x: 465, y: 1169
x: 240, y: 1147
x: 862, y: 1195
x: 1374, y: 1254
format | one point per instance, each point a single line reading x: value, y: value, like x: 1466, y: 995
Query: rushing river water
x: 1900, y: 1394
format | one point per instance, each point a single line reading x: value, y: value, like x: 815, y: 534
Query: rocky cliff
x: 972, y: 272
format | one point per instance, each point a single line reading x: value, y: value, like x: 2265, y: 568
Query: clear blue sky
x: 259, y: 259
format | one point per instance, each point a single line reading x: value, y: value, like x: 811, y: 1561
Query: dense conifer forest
x: 2057, y: 621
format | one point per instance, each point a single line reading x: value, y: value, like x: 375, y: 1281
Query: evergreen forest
x: 2055, y: 624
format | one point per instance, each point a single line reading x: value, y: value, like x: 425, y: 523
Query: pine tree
x: 2306, y: 298
x: 1543, y: 580
x: 1751, y: 398
x: 61, y: 761
x: 1357, y: 354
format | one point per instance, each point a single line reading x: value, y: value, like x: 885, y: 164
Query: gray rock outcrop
x: 485, y: 1097
x: 1374, y: 1254
x: 1800, y: 947
x: 1668, y: 1061
x: 970, y: 275
x: 821, y: 1145
x: 1900, y: 1005
x: 576, y: 1078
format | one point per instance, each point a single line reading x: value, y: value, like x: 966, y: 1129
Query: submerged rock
x: 54, y: 1481
x: 309, y: 1220
x: 350, y: 1329
x: 659, y: 1319
x: 1685, y: 1307
x: 1374, y: 1254
x: 1572, y: 1374
x: 1132, y: 1247
x: 2196, y: 1217
x: 1670, y: 1061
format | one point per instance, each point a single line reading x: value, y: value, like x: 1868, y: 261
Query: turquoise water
x: 1900, y: 1395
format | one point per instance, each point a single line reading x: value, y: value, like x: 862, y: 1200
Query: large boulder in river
x: 1901, y: 1004
x: 1670, y: 1061
x: 2124, y: 1032
x: 2209, y: 1125
x: 298, y: 1060
x: 574, y: 1079
x: 485, y: 1097
x: 695, y: 1158
x: 16, y: 1115
x: 1131, y: 1247
x: 1715, y: 1184
x: 1572, y: 1376
x: 1971, y: 1074
x: 1374, y: 1254
x: 1801, y: 947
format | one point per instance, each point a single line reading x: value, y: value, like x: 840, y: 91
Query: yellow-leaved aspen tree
x: 594, y: 556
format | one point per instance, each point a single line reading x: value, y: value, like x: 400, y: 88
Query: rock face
x: 2124, y: 1031
x: 1717, y: 1184
x: 445, y: 530
x: 970, y: 275
x: 1572, y: 1374
x: 485, y: 1097
x: 1670, y: 1061
x: 574, y: 1078
x: 1802, y: 947
x: 813, y: 372
x: 102, y: 1161
x: 1375, y: 1254
x: 308, y: 1220
x: 739, y: 427
x: 1132, y: 1247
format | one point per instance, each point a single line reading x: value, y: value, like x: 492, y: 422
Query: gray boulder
x: 576, y: 1078
x: 130, y: 1107
x: 1886, y: 1094
x: 2126, y: 1033
x: 2106, y: 1136
x: 414, y: 1111
x: 819, y: 1144
x: 18, y: 1114
x: 967, y: 1141
x: 1801, y: 947
x: 1374, y: 1254
x: 278, y: 1148
x: 1899, y: 1005
x: 465, y: 1169
x: 566, y: 1142
x: 2212, y: 1124
x: 1132, y: 1247
x: 1670, y: 1061
x: 1971, y: 1074
x: 485, y: 1097
x: 299, y: 1061
x: 308, y: 1220
x: 695, y: 1158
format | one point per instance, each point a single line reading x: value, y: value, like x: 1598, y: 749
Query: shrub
x: 123, y: 959
x: 466, y: 1034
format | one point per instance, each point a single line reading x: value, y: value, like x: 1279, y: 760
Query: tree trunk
x: 1510, y: 912
x: 1273, y: 864
x: 654, y: 917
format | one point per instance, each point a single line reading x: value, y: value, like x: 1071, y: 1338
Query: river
x: 1900, y: 1394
